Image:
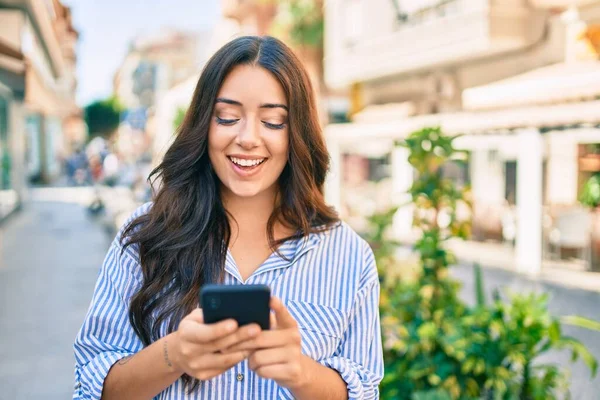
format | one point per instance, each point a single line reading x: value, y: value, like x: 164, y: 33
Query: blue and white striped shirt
x: 330, y: 286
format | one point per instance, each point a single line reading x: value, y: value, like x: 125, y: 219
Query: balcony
x: 371, y: 39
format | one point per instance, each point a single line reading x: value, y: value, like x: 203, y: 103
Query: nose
x: 249, y: 135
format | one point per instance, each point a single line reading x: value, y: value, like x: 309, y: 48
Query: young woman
x: 240, y: 202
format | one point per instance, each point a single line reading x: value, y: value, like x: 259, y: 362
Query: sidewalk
x: 502, y: 256
x: 50, y: 254
x: 118, y: 202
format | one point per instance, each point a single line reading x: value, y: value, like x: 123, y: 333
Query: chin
x: 245, y: 190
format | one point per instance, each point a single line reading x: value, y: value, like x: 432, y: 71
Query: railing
x: 429, y: 11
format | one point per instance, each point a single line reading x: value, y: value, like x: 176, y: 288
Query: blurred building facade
x: 39, y: 119
x: 521, y: 80
x: 154, y: 64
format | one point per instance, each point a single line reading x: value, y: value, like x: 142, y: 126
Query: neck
x: 250, y: 214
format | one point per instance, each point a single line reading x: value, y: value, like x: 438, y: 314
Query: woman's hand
x: 197, y: 348
x: 276, y: 354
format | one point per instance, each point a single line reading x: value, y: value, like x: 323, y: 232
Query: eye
x: 226, y: 122
x: 274, y: 126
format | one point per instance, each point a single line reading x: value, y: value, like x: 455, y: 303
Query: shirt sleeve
x: 106, y: 335
x: 359, y: 359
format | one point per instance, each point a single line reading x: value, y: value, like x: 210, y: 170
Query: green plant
x: 301, y: 20
x: 435, y: 346
x: 103, y: 117
x: 179, y: 116
x: 590, y: 194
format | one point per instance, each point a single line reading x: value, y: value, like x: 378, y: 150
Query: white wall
x: 179, y: 96
x: 562, y: 169
x: 487, y: 177
x: 10, y: 28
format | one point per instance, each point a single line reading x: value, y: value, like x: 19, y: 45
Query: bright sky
x: 106, y: 28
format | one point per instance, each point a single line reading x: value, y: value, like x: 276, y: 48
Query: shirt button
x: 240, y: 377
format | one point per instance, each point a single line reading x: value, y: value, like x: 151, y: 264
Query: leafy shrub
x: 435, y: 346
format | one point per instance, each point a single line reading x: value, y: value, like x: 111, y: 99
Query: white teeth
x: 246, y: 163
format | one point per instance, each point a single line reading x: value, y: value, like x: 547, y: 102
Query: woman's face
x: 248, y: 135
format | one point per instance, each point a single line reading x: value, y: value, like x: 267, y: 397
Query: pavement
x: 572, y: 273
x: 50, y: 254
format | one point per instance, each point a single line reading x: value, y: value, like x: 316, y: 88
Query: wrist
x: 170, y: 353
x: 307, y: 366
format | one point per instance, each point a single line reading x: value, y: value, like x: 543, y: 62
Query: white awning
x: 473, y: 121
x: 552, y: 84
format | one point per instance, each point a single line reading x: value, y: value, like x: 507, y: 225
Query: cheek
x: 215, y: 146
x: 279, y: 146
x: 217, y: 140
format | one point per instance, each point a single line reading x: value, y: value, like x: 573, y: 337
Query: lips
x: 246, y: 167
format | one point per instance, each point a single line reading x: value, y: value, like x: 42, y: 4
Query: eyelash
x: 229, y: 122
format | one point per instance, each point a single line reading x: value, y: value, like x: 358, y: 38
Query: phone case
x: 244, y: 303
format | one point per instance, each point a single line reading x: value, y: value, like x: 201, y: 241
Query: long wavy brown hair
x: 182, y: 241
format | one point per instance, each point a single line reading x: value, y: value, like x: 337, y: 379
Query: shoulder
x: 342, y: 240
x: 138, y: 212
x: 342, y: 235
x: 122, y: 263
x: 120, y: 240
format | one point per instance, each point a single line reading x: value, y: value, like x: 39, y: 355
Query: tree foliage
x: 300, y: 20
x: 103, y: 117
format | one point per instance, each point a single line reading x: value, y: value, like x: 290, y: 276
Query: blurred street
x: 51, y: 251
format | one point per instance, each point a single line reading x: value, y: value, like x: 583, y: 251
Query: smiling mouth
x: 246, y: 164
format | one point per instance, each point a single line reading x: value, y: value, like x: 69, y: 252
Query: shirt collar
x: 291, y: 250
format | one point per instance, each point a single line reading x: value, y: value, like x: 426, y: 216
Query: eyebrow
x: 264, y: 105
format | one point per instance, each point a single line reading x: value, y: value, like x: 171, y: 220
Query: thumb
x: 197, y: 316
x: 283, y: 317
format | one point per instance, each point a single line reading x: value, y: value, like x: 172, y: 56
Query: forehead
x: 250, y: 84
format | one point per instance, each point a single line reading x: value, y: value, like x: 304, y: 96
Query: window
x: 510, y: 185
x: 379, y: 168
x: 5, y: 162
x: 458, y: 172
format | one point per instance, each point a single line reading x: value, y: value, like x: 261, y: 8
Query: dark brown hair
x: 182, y: 241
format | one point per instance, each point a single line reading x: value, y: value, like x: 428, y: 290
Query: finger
x: 218, y: 363
x: 283, y: 317
x: 207, y: 333
x: 280, y: 372
x: 226, y: 360
x: 205, y: 375
x: 262, y: 358
x: 239, y: 336
x: 267, y: 339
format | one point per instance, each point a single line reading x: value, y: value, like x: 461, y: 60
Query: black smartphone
x: 244, y: 303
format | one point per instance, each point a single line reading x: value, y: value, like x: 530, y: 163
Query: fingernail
x: 253, y: 330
